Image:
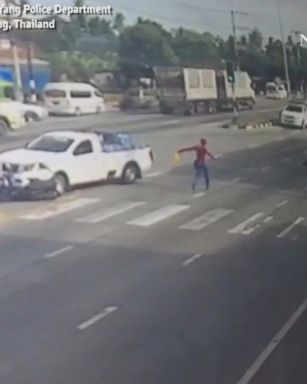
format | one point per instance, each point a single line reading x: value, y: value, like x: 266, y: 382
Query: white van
x: 68, y: 98
x: 274, y: 91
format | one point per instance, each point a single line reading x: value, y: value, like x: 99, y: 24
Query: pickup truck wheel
x: 130, y: 174
x: 4, y: 128
x: 31, y: 116
x: 61, y: 184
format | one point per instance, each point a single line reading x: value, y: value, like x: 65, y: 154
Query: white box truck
x: 192, y: 90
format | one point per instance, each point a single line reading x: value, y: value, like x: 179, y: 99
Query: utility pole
x: 32, y: 84
x: 31, y: 74
x: 236, y: 64
x: 14, y: 47
x: 234, y: 34
x: 283, y: 49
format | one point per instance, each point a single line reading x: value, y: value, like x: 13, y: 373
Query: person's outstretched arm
x: 210, y: 155
x: 187, y: 149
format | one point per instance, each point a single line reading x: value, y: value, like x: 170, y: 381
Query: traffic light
x: 230, y: 72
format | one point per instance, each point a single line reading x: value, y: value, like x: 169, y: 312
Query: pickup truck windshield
x: 294, y: 108
x: 50, y: 144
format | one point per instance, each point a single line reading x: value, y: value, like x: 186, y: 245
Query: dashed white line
x: 192, y: 259
x: 265, y: 354
x: 171, y: 122
x: 93, y: 320
x: 242, y: 226
x: 156, y: 174
x: 268, y: 219
x: 286, y: 231
x: 282, y: 203
x: 198, y: 194
x: 59, y: 252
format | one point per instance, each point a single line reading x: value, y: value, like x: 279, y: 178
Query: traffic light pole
x: 235, y: 109
x: 234, y: 34
x: 231, y: 78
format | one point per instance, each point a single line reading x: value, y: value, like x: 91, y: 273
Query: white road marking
x: 59, y: 252
x: 282, y: 203
x: 265, y: 354
x: 156, y: 174
x: 61, y: 208
x: 198, y: 194
x: 286, y: 231
x: 171, y: 122
x: 192, y: 259
x: 93, y: 320
x: 111, y: 212
x: 207, y: 219
x: 237, y: 180
x: 251, y: 146
x: 249, y: 231
x: 159, y: 215
x: 242, y: 226
x: 268, y: 219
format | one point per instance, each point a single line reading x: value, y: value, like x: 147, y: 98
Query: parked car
x: 60, y: 160
x: 34, y: 112
x: 294, y: 115
x: 274, y: 91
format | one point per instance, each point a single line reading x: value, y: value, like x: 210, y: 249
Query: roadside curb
x: 251, y: 126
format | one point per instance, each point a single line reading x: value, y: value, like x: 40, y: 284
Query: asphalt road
x: 139, y: 123
x: 151, y: 284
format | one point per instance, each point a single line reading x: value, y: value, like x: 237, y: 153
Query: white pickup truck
x: 63, y: 159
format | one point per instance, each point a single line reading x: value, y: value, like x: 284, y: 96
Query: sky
x: 211, y: 15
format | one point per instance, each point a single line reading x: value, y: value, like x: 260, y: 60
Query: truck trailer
x: 192, y: 90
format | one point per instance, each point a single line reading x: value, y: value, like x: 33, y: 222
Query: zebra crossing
x: 143, y: 214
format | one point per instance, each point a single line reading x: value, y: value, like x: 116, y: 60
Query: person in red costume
x: 200, y: 163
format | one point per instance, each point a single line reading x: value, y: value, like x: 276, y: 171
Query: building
x: 41, y: 69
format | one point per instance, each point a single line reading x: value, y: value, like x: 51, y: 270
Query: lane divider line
x: 93, y: 320
x: 286, y: 231
x: 192, y: 259
x: 265, y: 354
x: 59, y: 252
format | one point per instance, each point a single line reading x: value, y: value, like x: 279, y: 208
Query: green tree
x: 255, y: 40
x: 98, y: 26
x: 80, y: 19
x: 193, y: 48
x: 145, y: 43
x: 119, y: 22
